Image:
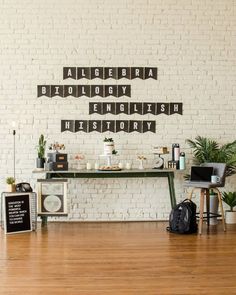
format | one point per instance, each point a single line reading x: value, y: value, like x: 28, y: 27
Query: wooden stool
x: 204, y: 193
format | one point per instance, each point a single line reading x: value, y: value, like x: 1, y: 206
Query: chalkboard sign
x: 17, y: 215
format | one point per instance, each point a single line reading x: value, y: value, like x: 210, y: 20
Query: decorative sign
x: 140, y: 108
x: 84, y: 90
x: 109, y: 73
x: 17, y: 215
x: 115, y: 108
x: 108, y: 125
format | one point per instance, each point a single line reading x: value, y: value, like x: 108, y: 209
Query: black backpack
x: 182, y: 218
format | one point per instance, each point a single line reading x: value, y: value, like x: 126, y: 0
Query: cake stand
x: 108, y: 157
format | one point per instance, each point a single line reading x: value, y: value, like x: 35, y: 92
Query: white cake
x: 108, y: 148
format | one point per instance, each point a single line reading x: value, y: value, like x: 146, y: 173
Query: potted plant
x: 230, y: 199
x: 206, y: 150
x: 11, y: 187
x: 109, y: 146
x: 41, y: 152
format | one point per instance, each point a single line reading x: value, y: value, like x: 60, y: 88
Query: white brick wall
x: 191, y: 42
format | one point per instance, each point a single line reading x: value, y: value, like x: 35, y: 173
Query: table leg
x: 208, y: 206
x: 48, y: 176
x: 44, y: 219
x: 172, y: 190
x: 201, y: 210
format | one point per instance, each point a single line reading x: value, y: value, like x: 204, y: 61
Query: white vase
x: 230, y: 217
x: 140, y: 167
x: 214, y: 204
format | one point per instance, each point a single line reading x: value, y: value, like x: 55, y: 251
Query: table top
x: 93, y: 171
x: 108, y: 174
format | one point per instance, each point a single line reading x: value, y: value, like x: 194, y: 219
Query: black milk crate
x: 60, y: 166
x: 57, y: 157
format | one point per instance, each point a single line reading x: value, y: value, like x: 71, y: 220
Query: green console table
x: 169, y: 174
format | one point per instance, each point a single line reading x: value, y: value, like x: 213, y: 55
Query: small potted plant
x: 41, y: 152
x: 230, y: 199
x: 79, y: 158
x: 109, y: 146
x: 11, y: 187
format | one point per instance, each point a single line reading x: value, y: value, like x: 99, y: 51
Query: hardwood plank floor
x: 117, y: 258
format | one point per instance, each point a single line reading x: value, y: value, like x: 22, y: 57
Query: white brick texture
x: 191, y: 42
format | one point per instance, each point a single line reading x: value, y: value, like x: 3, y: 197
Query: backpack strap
x: 187, y: 200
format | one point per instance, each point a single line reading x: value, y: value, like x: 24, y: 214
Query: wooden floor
x: 117, y: 258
